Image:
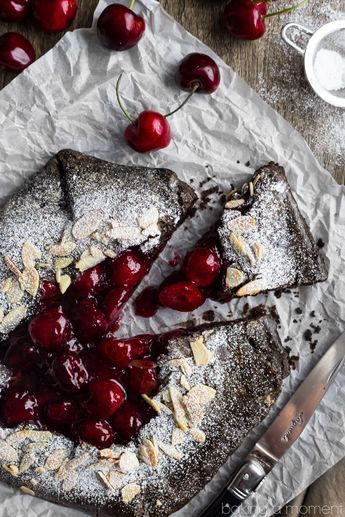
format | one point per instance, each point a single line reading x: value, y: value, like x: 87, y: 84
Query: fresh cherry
x: 96, y: 432
x: 21, y: 354
x: 120, y: 28
x: 14, y: 10
x: 88, y: 321
x: 198, y: 72
x: 182, y: 296
x: 19, y: 407
x: 61, y: 413
x: 50, y: 329
x: 16, y: 52
x: 146, y: 304
x: 121, y: 352
x: 201, y: 266
x: 245, y: 19
x: 105, y: 398
x: 142, y: 377
x: 127, y: 269
x: 54, y: 15
x: 128, y: 420
x: 70, y: 372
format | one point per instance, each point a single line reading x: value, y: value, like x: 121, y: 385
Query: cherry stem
x: 195, y: 88
x: 120, y: 101
x: 131, y: 5
x: 287, y: 10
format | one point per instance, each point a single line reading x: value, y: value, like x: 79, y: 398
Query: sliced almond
x: 26, y: 462
x: 178, y: 408
x: 128, y: 462
x: 204, y: 394
x: 202, y: 355
x: 12, y: 266
x: 55, y: 459
x: 12, y: 319
x: 251, y: 288
x: 2, y: 314
x: 90, y: 258
x: 30, y: 434
x: 181, y: 363
x: 87, y: 224
x: 104, y: 479
x: 11, y: 469
x: 259, y: 250
x: 196, y: 401
x: 269, y: 400
x: 64, y: 283
x: 63, y: 262
x: 256, y: 179
x: 100, y: 237
x: 40, y: 470
x: 241, y: 247
x: 198, y: 435
x: 170, y: 451
x: 234, y: 277
x: 184, y: 382
x: 30, y: 253
x: 110, y: 253
x: 70, y: 482
x: 33, y: 482
x: 7, y: 453
x: 251, y: 188
x: 149, y: 452
x: 153, y: 403
x: 14, y: 293
x: 109, y: 454
x: 30, y: 281
x: 27, y: 490
x: 234, y: 203
x: 159, y: 503
x: 129, y: 492
x: 242, y: 224
x: 178, y: 436
x: 63, y: 248
x: 125, y: 233
x: 117, y: 479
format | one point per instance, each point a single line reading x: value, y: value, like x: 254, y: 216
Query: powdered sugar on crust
x: 227, y: 398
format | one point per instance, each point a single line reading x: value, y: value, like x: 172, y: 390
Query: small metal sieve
x: 330, y: 36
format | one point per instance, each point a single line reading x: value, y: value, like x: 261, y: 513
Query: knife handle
x: 244, y: 482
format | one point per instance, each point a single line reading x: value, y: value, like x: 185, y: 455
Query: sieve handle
x: 289, y: 41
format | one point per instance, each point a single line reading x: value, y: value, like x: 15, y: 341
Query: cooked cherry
x: 198, y: 71
x: 14, y: 10
x: 142, y: 377
x: 105, y: 398
x: 120, y: 28
x: 86, y: 284
x: 50, y: 329
x: 21, y: 353
x: 16, y: 52
x: 70, y: 372
x: 61, y: 413
x: 201, y: 266
x: 50, y: 294
x: 54, y: 15
x: 127, y: 269
x: 121, y: 352
x: 146, y: 304
x: 88, y: 321
x: 96, y: 432
x: 46, y: 395
x: 182, y: 296
x: 113, y: 301
x: 97, y: 369
x: 19, y: 407
x: 128, y: 420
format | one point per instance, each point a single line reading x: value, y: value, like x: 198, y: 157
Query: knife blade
x: 281, y: 434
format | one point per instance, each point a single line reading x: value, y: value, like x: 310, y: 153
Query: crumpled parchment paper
x: 67, y: 99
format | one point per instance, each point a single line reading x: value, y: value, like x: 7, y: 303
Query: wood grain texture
x: 256, y: 62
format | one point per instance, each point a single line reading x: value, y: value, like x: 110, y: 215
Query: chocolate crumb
x: 320, y: 244
x: 312, y: 314
x: 287, y: 339
x: 298, y: 310
x: 308, y: 335
x: 208, y: 315
x: 247, y: 164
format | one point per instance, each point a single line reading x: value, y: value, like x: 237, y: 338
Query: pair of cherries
x: 16, y: 52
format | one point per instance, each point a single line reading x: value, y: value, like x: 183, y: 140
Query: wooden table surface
x: 261, y: 64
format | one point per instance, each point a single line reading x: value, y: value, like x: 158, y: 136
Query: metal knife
x: 281, y: 434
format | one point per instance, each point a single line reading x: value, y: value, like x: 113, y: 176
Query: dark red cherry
x: 128, y: 420
x: 88, y: 321
x: 142, y: 377
x: 149, y: 132
x: 182, y: 296
x: 21, y: 353
x: 201, y: 266
x: 16, y: 52
x: 113, y: 301
x: 86, y: 284
x: 245, y: 19
x: 19, y: 407
x: 105, y: 398
x: 146, y: 304
x: 120, y: 28
x: 121, y: 352
x: 50, y: 294
x: 70, y: 372
x: 198, y: 70
x: 61, y: 413
x: 54, y: 15
x: 96, y: 432
x: 50, y: 329
x: 127, y: 269
x: 14, y: 10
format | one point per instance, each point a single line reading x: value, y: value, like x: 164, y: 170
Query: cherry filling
x: 68, y: 371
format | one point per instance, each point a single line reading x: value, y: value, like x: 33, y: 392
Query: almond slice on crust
x: 149, y: 452
x: 12, y: 319
x: 170, y: 451
x: 202, y: 355
x: 128, y: 462
x: 251, y: 288
x: 234, y: 277
x: 30, y: 253
x: 129, y: 492
x: 87, y: 224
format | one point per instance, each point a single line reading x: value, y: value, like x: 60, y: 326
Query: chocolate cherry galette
x: 135, y: 425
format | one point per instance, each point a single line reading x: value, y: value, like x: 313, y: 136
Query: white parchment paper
x: 67, y: 99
